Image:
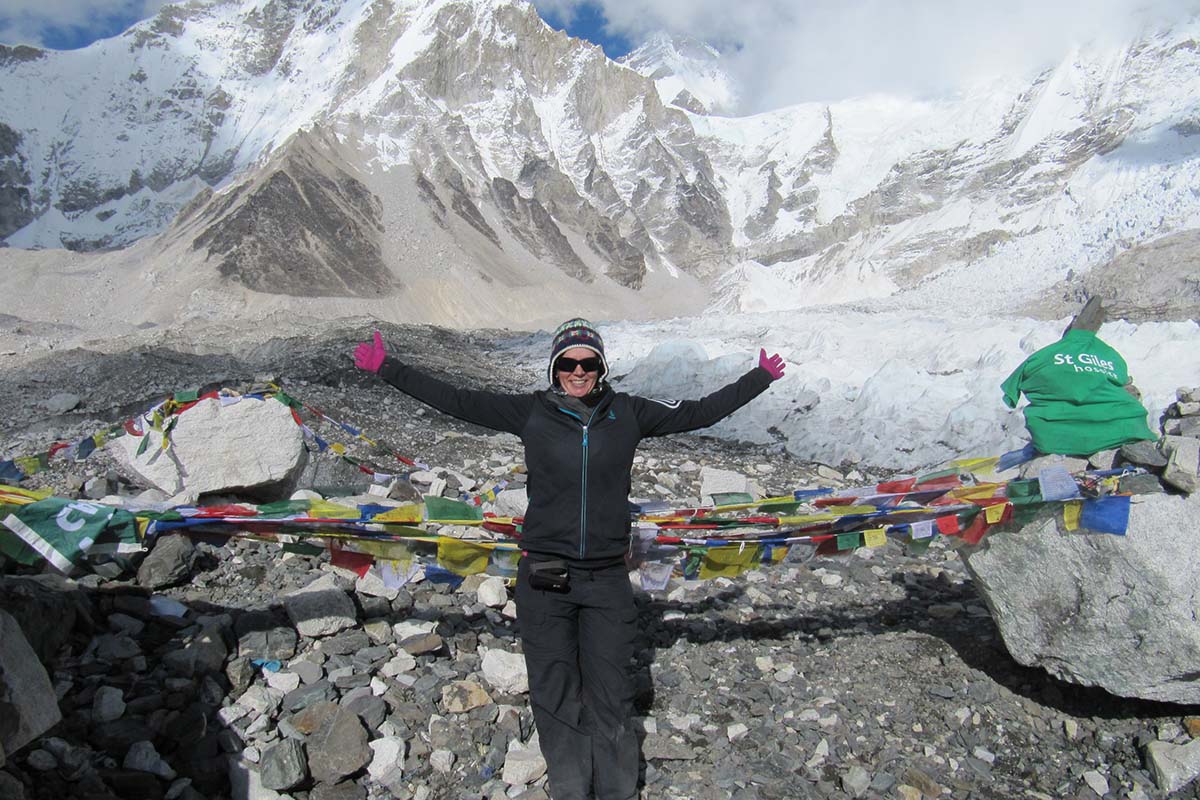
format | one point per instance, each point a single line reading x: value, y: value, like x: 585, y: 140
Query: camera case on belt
x: 549, y: 576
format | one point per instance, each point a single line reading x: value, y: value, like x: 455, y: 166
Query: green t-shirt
x: 1077, y: 401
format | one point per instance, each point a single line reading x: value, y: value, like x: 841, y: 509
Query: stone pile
x: 1181, y: 441
x: 240, y: 670
x: 876, y: 675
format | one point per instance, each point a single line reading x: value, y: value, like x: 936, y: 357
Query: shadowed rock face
x: 307, y: 228
x: 532, y: 225
x: 1157, y: 281
x: 16, y: 207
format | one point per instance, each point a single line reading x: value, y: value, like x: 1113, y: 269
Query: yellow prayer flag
x: 323, y: 509
x: 982, y: 491
x: 986, y: 465
x: 845, y: 511
x: 15, y: 495
x: 338, y: 448
x: 462, y: 558
x: 993, y: 514
x: 806, y: 519
x: 729, y: 561
x: 388, y: 551
x: 410, y: 512
x: 875, y: 537
x: 1071, y: 511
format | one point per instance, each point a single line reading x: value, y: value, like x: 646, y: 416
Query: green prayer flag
x: 732, y: 498
x: 849, y: 541
x: 63, y: 531
x: 787, y: 507
x: 14, y: 548
x: 917, y: 547
x: 287, y: 399
x: 932, y: 476
x: 187, y: 397
x: 284, y: 508
x: 443, y: 509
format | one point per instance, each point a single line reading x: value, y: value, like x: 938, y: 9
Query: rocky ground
x: 873, y: 675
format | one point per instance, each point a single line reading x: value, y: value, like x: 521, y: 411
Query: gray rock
x: 346, y: 790
x: 321, y: 608
x: 309, y: 671
x: 10, y: 787
x: 27, y: 700
x: 505, y: 671
x: 371, y: 710
x: 208, y: 450
x: 61, y: 403
x: 261, y: 637
x: 1140, y: 484
x: 422, y: 643
x: 338, y: 747
x: 204, y: 654
x: 48, y: 608
x: 283, y: 765
x: 492, y: 593
x: 108, y: 704
x: 1183, y: 463
x: 143, y: 757
x: 168, y: 563
x: 855, y: 781
x: 1143, y: 453
x: 658, y: 746
x: 1173, y: 766
x: 96, y: 488
x: 523, y: 765
x: 308, y: 694
x: 347, y: 642
x: 1128, y: 626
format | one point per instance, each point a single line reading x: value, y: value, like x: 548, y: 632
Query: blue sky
x: 587, y: 21
x: 70, y: 24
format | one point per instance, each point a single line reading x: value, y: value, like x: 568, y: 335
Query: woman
x: 574, y: 601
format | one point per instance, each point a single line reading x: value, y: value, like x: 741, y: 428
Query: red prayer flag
x: 948, y: 524
x: 902, y: 486
x: 358, y: 563
x: 975, y: 532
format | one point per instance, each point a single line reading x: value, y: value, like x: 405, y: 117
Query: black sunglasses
x: 590, y: 364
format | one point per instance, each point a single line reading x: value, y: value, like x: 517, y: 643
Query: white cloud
x: 789, y: 51
x: 36, y: 22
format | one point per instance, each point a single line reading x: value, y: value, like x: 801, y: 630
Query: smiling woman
x: 574, y: 602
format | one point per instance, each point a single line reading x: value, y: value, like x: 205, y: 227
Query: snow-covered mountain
x: 458, y: 161
x: 687, y: 73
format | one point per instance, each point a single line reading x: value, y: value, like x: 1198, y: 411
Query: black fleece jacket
x: 578, y: 466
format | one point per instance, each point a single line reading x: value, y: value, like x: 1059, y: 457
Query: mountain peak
x: 687, y: 72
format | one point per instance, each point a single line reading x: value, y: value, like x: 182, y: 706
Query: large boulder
x: 28, y: 704
x: 47, y: 607
x: 252, y: 446
x: 1118, y: 612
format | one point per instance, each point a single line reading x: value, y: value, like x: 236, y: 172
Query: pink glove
x: 773, y: 364
x: 370, y: 356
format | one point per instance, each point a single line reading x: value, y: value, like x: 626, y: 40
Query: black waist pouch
x: 549, y: 576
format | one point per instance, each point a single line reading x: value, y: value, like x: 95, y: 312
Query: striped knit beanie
x: 576, y: 333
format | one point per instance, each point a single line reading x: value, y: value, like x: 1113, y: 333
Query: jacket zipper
x: 583, y: 478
